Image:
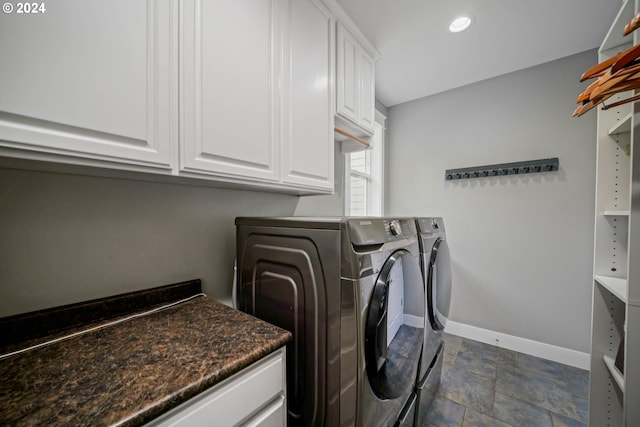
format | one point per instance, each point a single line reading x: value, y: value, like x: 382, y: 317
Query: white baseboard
x: 413, y: 321
x: 522, y: 345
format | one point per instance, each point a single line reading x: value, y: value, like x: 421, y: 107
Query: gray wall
x: 522, y: 246
x: 68, y: 238
x: 330, y: 204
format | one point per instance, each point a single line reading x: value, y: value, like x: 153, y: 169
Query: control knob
x: 394, y: 227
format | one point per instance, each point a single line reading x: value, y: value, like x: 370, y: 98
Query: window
x: 359, y: 182
x: 363, y: 180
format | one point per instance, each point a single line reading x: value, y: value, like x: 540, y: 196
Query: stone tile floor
x: 484, y: 385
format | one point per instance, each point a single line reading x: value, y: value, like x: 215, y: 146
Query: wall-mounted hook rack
x: 515, y: 168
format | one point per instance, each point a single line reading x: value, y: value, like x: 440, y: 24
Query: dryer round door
x: 392, y: 362
x: 439, y: 284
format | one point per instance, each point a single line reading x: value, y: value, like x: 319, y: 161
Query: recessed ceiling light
x: 460, y: 24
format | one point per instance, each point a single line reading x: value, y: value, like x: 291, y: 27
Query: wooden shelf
x: 615, y: 285
x: 615, y: 373
x: 623, y: 126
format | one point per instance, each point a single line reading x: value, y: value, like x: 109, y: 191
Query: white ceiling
x: 421, y: 57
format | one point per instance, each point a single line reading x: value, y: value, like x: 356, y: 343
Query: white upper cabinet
x: 307, y: 154
x: 77, y: 88
x: 241, y: 92
x: 367, y: 91
x: 348, y: 93
x: 257, y: 86
x: 355, y: 100
x: 230, y: 88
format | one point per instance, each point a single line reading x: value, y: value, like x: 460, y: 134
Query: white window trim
x: 349, y: 173
x: 375, y: 205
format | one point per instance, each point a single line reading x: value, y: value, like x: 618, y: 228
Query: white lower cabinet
x: 76, y: 88
x: 254, y: 396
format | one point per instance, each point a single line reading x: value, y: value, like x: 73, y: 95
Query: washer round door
x: 392, y: 366
x: 438, y: 282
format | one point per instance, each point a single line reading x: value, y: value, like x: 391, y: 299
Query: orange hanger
x: 629, y: 56
x: 584, y: 96
x: 625, y: 87
x: 600, y: 68
x: 606, y: 82
x: 620, y: 60
x: 631, y: 83
x: 633, y: 25
x: 589, y: 105
x: 620, y: 73
x: 609, y: 83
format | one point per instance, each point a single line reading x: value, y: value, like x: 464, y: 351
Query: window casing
x: 364, y: 176
x: 359, y: 182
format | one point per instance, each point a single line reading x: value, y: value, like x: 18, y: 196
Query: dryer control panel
x: 430, y: 224
x: 373, y: 231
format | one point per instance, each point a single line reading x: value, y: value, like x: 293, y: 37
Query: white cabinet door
x: 355, y: 97
x: 255, y: 396
x: 307, y: 152
x: 75, y: 85
x: 367, y: 91
x: 229, y: 87
x: 348, y: 92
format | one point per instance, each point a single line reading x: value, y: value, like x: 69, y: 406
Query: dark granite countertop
x: 130, y: 372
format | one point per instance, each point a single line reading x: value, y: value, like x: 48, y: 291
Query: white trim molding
x: 413, y: 321
x: 523, y: 345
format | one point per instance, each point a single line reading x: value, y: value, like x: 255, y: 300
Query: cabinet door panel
x: 348, y: 95
x: 275, y: 415
x: 229, y: 86
x: 75, y: 84
x: 367, y: 101
x: 309, y: 136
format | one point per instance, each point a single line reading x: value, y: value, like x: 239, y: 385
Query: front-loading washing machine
x: 344, y: 287
x: 436, y: 269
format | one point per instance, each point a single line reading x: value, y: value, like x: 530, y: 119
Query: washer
x: 436, y: 270
x: 344, y: 287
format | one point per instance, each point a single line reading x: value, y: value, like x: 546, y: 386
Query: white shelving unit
x: 615, y: 373
x: 622, y: 126
x: 616, y: 213
x: 614, y: 397
x: 615, y: 285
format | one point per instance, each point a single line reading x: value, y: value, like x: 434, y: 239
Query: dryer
x: 436, y: 269
x: 343, y: 287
